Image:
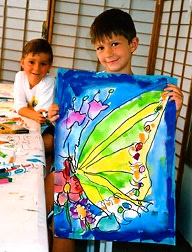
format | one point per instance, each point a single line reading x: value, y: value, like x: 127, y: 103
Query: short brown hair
x: 112, y: 21
x: 37, y: 46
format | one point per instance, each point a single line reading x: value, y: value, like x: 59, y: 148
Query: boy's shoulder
x: 48, y: 78
x: 21, y: 75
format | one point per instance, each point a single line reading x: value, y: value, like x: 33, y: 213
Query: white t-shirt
x: 40, y: 96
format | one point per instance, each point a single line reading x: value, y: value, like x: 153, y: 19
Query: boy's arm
x: 29, y: 112
x: 20, y: 92
x: 176, y: 95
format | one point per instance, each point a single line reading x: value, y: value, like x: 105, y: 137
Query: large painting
x: 114, y: 158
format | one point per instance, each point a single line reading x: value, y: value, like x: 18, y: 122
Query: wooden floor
x: 181, y: 246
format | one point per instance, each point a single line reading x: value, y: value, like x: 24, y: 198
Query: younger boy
x: 113, y: 35
x: 34, y: 87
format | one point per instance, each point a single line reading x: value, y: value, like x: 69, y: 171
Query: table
x: 22, y: 210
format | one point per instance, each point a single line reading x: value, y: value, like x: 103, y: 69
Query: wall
x: 20, y: 21
x: 185, y: 207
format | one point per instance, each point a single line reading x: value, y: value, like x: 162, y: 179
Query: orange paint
x: 132, y: 148
x: 131, y: 193
x: 164, y: 95
x: 142, y: 137
x: 11, y: 160
x: 81, y: 211
x: 136, y: 167
x: 116, y: 200
x: 137, y: 175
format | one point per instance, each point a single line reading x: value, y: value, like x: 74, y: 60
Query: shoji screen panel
x: 13, y: 26
x: 174, y: 57
x: 20, y: 21
x: 71, y: 40
x: 142, y: 13
x: 64, y: 33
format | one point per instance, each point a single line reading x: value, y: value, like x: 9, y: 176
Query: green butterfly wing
x: 113, y: 157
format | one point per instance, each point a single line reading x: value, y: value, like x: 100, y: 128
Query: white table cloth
x: 22, y: 202
x: 22, y: 208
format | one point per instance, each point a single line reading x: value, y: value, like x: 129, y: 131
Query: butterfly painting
x: 114, y: 157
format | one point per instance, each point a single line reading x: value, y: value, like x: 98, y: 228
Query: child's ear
x: 134, y: 44
x: 50, y: 66
x: 22, y: 62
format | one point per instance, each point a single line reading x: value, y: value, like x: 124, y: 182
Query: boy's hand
x: 176, y: 95
x: 40, y: 117
x: 53, y: 112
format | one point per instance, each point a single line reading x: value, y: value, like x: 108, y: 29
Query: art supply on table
x: 7, y: 155
x: 6, y: 145
x: 3, y: 141
x: 2, y: 154
x: 12, y: 128
x: 10, y: 169
x: 16, y: 169
x: 2, y: 170
x: 14, y: 172
x: 5, y: 180
x: 9, y: 166
x: 11, y: 122
x: 14, y: 125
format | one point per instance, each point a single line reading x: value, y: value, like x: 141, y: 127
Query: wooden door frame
x: 50, y: 19
x: 155, y: 37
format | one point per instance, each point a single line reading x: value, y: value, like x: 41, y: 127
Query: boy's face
x: 115, y: 53
x: 36, y: 67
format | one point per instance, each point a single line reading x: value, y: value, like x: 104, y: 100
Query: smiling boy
x: 113, y: 35
x: 34, y: 87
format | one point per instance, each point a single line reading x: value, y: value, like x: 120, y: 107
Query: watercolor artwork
x: 114, y: 158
